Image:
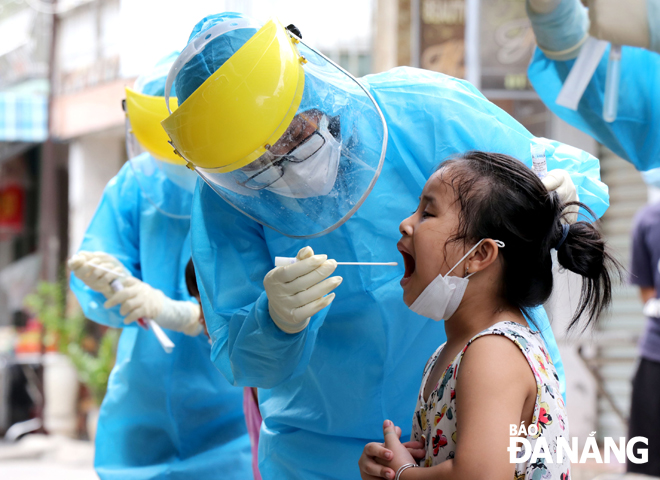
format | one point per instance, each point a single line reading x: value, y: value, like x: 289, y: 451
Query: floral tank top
x: 434, y: 421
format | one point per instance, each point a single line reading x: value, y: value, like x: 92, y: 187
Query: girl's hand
x: 416, y: 448
x: 400, y: 454
x: 369, y: 468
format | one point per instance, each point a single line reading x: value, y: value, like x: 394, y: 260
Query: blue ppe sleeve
x: 480, y: 125
x: 113, y: 230
x: 584, y: 170
x: 560, y: 32
x: 633, y: 135
x: 248, y: 348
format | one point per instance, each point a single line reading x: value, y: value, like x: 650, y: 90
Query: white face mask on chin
x: 315, y: 176
x: 441, y: 298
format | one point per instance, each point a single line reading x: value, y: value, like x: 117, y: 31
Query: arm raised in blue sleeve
x: 231, y: 258
x: 452, y: 117
x: 584, y: 170
x: 113, y: 230
x: 633, y: 134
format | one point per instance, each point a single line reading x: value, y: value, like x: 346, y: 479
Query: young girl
x: 477, y: 254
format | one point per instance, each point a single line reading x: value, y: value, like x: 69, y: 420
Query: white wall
x: 93, y: 161
x: 151, y: 29
x: 581, y: 392
x: 82, y: 40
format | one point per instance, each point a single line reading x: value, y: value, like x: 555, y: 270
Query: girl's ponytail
x: 581, y: 249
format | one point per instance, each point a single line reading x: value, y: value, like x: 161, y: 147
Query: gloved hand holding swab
x: 78, y: 260
x: 161, y: 336
x: 284, y: 261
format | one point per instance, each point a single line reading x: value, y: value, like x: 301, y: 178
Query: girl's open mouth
x: 409, y: 262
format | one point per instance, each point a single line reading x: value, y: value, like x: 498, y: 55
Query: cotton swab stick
x: 161, y: 336
x: 284, y: 261
x: 386, y: 264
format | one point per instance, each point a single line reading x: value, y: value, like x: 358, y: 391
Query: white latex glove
x: 140, y: 300
x: 560, y: 181
x: 83, y: 264
x: 620, y: 22
x: 298, y: 291
x: 543, y: 6
x: 652, y: 308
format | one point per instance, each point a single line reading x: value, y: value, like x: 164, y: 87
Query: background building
x: 64, y: 65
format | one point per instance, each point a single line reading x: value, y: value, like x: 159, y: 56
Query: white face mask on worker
x: 314, y: 176
x: 443, y: 295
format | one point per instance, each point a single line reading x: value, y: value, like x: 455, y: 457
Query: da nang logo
x: 521, y: 449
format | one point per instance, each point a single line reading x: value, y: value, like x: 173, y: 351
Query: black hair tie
x: 565, y: 229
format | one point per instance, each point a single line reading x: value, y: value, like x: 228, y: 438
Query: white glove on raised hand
x: 140, y: 300
x: 543, y: 6
x: 560, y: 181
x: 298, y: 291
x: 83, y: 265
x: 652, y: 308
x: 624, y: 22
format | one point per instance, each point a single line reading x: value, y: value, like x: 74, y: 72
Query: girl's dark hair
x: 191, y: 280
x: 502, y: 199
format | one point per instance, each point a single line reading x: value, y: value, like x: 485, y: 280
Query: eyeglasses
x: 275, y: 164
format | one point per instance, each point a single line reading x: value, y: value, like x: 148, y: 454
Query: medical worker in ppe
x: 165, y: 416
x: 561, y: 28
x: 298, y: 157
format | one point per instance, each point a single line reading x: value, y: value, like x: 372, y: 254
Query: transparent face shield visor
x: 165, y: 186
x: 318, y: 173
x: 133, y: 147
x: 152, y: 174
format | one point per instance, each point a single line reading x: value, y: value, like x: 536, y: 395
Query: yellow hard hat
x: 244, y: 107
x: 145, y: 112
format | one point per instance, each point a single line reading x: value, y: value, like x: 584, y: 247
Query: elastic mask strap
x: 197, y: 45
x: 498, y: 242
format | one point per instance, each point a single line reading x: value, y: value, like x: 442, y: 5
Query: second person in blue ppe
x: 165, y: 416
x: 336, y: 163
x: 561, y: 27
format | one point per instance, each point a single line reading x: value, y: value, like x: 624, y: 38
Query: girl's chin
x: 409, y: 298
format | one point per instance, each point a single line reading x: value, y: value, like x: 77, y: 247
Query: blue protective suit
x: 326, y: 390
x: 164, y: 416
x: 633, y: 135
